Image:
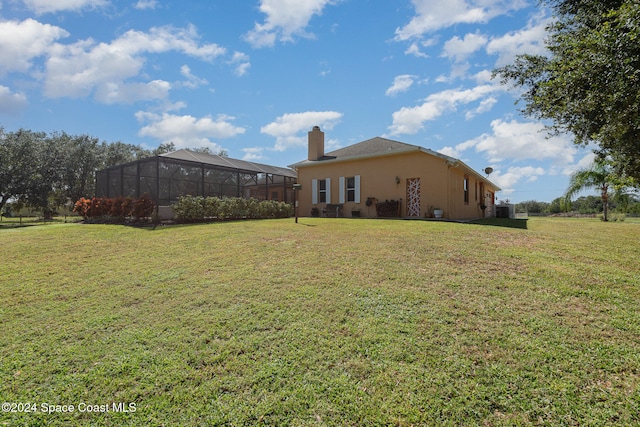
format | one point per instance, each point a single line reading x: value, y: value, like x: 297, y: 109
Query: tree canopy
x: 589, y: 84
x: 44, y: 171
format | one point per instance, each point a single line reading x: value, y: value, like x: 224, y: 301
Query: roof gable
x: 373, y: 147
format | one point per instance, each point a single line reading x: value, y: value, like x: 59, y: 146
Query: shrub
x: 198, y: 208
x: 114, y: 210
x: 143, y: 207
x: 189, y: 208
x: 211, y: 207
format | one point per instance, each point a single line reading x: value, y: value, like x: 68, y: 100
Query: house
x: 382, y: 177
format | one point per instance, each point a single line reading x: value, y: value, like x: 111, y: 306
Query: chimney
x: 316, y: 144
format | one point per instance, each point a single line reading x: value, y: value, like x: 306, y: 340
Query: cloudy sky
x: 254, y: 76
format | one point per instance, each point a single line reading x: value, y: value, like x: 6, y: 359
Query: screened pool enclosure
x: 168, y: 176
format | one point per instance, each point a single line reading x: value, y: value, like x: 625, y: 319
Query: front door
x: 413, y: 197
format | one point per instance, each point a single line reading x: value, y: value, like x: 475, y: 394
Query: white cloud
x: 241, y: 63
x: 188, y: 131
x: 288, y: 127
x: 52, y: 6
x: 128, y: 93
x: 414, y: 50
x: 485, y: 106
x: 253, y: 153
x: 192, y: 82
x: 528, y: 40
x: 433, y: 15
x: 409, y: 120
x: 285, y: 19
x: 401, y: 83
x: 21, y: 42
x: 522, y: 140
x: 459, y: 49
x: 79, y: 69
x: 508, y: 180
x: 146, y: 4
x: 483, y: 77
x: 585, y: 162
x: 11, y: 103
x: 415, y: 47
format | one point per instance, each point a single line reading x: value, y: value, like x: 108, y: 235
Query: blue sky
x: 254, y: 76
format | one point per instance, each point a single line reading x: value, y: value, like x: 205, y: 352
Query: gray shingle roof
x: 243, y: 165
x: 373, y: 147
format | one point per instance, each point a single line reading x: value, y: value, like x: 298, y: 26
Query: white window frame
x: 344, y: 191
x: 315, y: 191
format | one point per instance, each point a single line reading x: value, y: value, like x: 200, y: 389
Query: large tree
x: 45, y: 172
x: 589, y: 84
x: 21, y: 166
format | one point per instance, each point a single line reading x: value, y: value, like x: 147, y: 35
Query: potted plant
x: 429, y: 212
x: 315, y: 212
x: 437, y: 212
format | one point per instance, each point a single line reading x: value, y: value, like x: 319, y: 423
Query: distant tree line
x: 45, y: 171
x: 587, y: 205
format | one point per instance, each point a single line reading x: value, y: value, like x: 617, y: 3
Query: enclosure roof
x: 215, y: 160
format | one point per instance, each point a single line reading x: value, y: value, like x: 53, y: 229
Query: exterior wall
x: 470, y: 209
x: 441, y: 186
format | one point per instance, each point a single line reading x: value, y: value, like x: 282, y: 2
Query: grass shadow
x: 502, y: 222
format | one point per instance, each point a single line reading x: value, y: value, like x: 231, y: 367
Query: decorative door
x: 413, y: 197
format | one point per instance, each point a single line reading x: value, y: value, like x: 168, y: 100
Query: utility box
x: 506, y: 211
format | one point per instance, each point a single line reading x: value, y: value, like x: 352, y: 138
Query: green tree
x: 602, y: 177
x: 166, y: 147
x: 117, y: 153
x: 21, y: 167
x: 589, y: 84
x: 81, y: 157
x: 532, y: 206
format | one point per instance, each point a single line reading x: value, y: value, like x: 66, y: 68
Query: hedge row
x: 116, y: 209
x: 198, y: 208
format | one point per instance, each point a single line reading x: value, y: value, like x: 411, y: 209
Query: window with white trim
x: 322, y: 190
x: 351, y: 189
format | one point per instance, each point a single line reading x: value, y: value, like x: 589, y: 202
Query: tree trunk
x: 3, y: 200
x: 605, y: 203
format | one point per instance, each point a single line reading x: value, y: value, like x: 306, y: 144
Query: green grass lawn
x: 325, y: 322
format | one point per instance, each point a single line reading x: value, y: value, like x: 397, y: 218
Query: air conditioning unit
x: 506, y: 211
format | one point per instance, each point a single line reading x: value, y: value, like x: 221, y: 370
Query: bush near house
x: 388, y: 209
x: 199, y: 208
x: 114, y: 210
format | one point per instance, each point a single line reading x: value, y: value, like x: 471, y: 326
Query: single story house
x: 382, y: 177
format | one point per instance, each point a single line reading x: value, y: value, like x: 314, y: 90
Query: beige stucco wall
x: 441, y: 184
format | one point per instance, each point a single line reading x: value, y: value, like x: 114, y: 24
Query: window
x: 351, y: 189
x: 466, y: 189
x: 322, y: 190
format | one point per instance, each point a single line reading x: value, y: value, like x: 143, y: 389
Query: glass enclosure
x: 165, y: 178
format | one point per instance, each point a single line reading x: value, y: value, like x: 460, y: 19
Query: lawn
x: 325, y: 322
